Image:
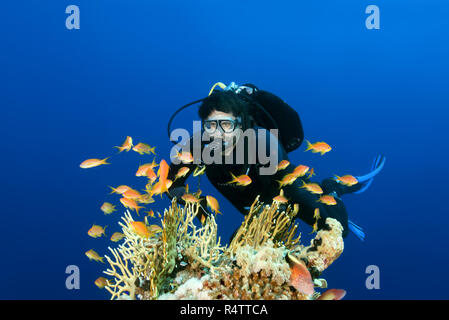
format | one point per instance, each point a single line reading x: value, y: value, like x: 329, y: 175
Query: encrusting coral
x: 181, y: 260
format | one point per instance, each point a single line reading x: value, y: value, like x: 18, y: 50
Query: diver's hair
x: 229, y: 102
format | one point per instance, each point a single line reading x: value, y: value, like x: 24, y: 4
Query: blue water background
x: 69, y: 95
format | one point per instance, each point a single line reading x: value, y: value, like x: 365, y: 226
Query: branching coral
x: 185, y: 261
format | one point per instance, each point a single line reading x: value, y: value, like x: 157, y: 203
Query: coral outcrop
x: 181, y: 260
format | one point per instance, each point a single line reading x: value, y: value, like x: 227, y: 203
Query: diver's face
x: 224, y: 126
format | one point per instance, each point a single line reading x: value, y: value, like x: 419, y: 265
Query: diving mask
x: 226, y: 125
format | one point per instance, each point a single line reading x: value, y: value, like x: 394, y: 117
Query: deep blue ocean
x: 69, y: 95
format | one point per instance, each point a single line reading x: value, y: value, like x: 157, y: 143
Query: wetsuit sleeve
x: 308, y: 201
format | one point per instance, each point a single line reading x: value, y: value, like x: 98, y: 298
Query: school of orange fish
x: 158, y: 184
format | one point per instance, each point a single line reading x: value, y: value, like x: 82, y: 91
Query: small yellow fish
x: 316, y: 214
x: 108, y: 208
x: 96, y: 231
x: 212, y: 203
x: 90, y: 163
x: 282, y: 165
x: 117, y: 236
x: 142, y: 148
x: 280, y: 198
x: 199, y: 171
x: 312, y: 187
x: 287, y: 180
x: 295, y: 209
x: 146, y: 198
x: 185, y: 156
x: 130, y: 204
x: 92, y: 255
x: 140, y: 229
x: 242, y: 180
x: 347, y: 180
x: 327, y: 199
x: 300, y: 170
x: 127, y: 145
x: 318, y: 147
x: 101, y: 282
x: 314, y: 227
x: 120, y: 189
x: 203, y: 219
x: 154, y: 228
x: 182, y: 172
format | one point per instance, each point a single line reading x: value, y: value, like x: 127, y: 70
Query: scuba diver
x: 224, y: 116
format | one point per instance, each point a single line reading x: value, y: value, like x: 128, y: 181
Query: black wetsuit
x: 267, y: 187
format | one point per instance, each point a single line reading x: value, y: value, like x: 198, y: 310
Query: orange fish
x: 242, y: 180
x: 127, y: 145
x: 300, y: 278
x: 318, y: 147
x: 96, y: 231
x: 92, y: 255
x: 327, y: 199
x: 158, y: 187
x: 163, y: 173
x: 130, y: 204
x: 212, y: 203
x: 150, y: 213
x: 311, y: 173
x: 107, y: 208
x: 300, y: 170
x: 185, y: 156
x: 312, y: 187
x: 117, y: 236
x: 280, y: 198
x: 347, y: 180
x: 190, y: 198
x: 142, y: 148
x: 101, y: 282
x: 90, y: 163
x: 151, y: 175
x: 140, y: 229
x: 282, y: 165
x: 120, y: 189
x: 142, y: 170
x: 333, y: 294
x: 287, y: 180
x: 132, y: 194
x: 182, y: 172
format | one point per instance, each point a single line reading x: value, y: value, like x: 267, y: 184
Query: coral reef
x: 186, y: 261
